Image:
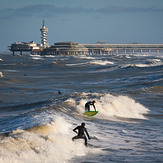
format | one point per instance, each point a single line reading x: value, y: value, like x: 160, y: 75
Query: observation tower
x: 43, y: 34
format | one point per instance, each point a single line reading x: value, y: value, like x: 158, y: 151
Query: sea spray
x: 44, y: 143
x: 110, y: 106
x: 1, y: 75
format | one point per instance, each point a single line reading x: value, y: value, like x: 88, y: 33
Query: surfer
x: 87, y: 105
x: 81, y: 129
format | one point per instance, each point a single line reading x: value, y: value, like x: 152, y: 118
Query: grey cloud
x: 123, y: 9
x: 46, y: 10
x: 42, y: 10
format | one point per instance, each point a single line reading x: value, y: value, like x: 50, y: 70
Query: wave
x: 84, y: 57
x: 77, y: 64
x: 110, y: 107
x: 11, y: 70
x: 49, y: 56
x: 45, y: 143
x: 1, y: 75
x: 94, y: 62
x: 158, y: 89
x: 148, y: 63
x: 101, y: 62
x: 37, y: 57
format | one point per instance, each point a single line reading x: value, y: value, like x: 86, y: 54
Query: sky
x: 82, y: 21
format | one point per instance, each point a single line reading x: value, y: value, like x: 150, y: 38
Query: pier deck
x: 100, y: 48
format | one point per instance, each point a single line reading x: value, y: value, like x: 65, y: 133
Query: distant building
x: 31, y: 46
x: 65, y: 48
x: 43, y: 34
x: 23, y: 46
x: 74, y: 48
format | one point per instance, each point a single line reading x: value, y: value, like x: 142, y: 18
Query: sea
x: 36, y: 122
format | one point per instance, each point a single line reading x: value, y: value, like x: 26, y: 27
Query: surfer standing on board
x: 87, y: 105
x: 81, y: 130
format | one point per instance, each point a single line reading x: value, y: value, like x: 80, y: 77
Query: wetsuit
x: 87, y: 105
x: 81, y: 135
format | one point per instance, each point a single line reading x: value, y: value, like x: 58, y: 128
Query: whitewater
x: 36, y: 123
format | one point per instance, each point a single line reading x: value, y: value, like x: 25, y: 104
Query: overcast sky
x: 83, y: 21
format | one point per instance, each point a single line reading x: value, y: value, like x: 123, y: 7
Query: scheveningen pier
x: 74, y: 48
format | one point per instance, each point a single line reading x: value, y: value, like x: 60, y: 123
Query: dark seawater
x: 36, y: 122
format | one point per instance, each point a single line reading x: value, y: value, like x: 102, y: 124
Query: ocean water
x: 36, y: 122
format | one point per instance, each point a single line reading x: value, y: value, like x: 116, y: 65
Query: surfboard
x: 90, y: 113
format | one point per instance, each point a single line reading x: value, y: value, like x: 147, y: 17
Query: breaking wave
x: 101, y: 62
x: 1, y: 75
x: 148, y: 63
x: 110, y: 107
x: 45, y: 143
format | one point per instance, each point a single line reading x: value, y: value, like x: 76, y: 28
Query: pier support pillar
x: 149, y: 51
x: 141, y: 51
x: 157, y: 51
x: 125, y: 51
x: 116, y: 51
x: 13, y: 53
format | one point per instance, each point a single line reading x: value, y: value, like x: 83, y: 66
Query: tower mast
x: 43, y: 34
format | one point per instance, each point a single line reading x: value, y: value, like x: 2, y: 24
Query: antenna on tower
x: 43, y: 24
x: 43, y: 34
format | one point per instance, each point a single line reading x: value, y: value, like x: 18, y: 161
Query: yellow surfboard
x: 90, y: 113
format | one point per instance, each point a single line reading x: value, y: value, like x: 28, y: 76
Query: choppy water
x: 36, y: 122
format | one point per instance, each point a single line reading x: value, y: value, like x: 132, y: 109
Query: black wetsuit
x: 81, y: 135
x: 87, y: 106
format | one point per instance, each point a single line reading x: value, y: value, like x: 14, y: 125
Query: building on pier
x: 65, y: 48
x: 123, y: 48
x: 43, y: 35
x: 74, y: 48
x: 24, y: 46
x: 32, y: 47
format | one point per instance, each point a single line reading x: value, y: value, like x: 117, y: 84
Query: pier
x: 74, y: 48
x: 116, y: 48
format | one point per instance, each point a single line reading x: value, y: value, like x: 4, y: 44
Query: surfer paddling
x: 87, y: 105
x: 81, y: 130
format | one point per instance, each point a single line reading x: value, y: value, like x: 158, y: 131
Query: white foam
x: 122, y: 106
x: 1, y: 75
x: 37, y: 57
x: 115, y: 106
x: 147, y: 63
x: 84, y: 57
x: 11, y: 70
x: 48, y: 143
x: 101, y: 62
x: 49, y: 56
x: 76, y: 64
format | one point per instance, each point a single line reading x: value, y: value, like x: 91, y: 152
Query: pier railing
x: 111, y: 48
x: 87, y: 48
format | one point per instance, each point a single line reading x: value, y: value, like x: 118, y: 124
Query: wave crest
x: 115, y: 106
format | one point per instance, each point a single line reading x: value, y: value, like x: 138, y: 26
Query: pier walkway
x: 74, y: 48
x: 115, y: 48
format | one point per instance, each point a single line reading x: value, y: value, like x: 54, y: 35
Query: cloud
x: 47, y: 10
x: 123, y: 9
